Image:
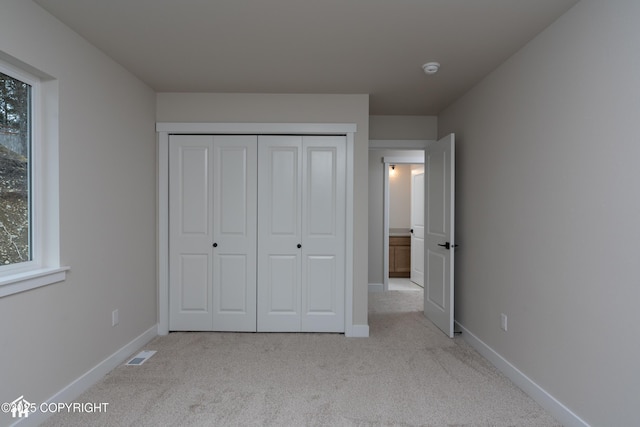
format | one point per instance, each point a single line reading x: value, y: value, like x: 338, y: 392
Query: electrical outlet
x: 503, y: 322
x: 114, y: 317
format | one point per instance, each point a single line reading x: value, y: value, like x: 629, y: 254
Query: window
x: 15, y: 167
x: 29, y: 235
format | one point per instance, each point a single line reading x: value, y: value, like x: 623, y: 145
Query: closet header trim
x: 257, y: 128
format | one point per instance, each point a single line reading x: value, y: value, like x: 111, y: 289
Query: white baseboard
x: 376, y: 287
x: 359, y: 331
x: 537, y: 393
x: 91, y: 377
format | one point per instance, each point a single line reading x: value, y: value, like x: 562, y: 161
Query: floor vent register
x: 140, y: 358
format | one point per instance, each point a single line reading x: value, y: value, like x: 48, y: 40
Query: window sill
x: 20, y: 282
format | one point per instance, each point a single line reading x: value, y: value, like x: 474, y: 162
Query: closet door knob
x: 299, y: 245
x: 215, y: 245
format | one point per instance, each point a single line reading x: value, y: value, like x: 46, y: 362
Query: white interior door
x: 439, y: 233
x: 417, y: 227
x: 279, y: 233
x: 190, y: 233
x: 234, y: 232
x: 323, y: 233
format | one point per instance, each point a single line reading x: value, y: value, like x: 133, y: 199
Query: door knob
x: 411, y: 231
x: 215, y: 245
x: 446, y: 245
x: 299, y: 245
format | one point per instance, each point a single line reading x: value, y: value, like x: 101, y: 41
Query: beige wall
x: 292, y: 108
x: 403, y: 127
x: 54, y: 334
x: 548, y: 210
x: 400, y: 197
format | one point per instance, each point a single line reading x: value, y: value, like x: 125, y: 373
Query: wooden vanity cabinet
x: 399, y: 256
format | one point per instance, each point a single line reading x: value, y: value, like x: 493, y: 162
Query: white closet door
x: 279, y: 228
x: 285, y: 196
x: 190, y: 232
x: 234, y: 232
x: 301, y: 226
x: 323, y: 233
x: 212, y: 202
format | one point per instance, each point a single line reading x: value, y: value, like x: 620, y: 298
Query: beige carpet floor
x: 407, y: 373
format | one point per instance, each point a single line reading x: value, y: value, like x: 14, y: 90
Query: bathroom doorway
x: 399, y: 216
x: 405, y: 228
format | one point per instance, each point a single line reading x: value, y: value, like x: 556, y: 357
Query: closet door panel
x: 284, y: 198
x: 193, y: 271
x: 232, y: 188
x: 320, y: 298
x: 234, y: 233
x: 282, y: 284
x: 232, y: 293
x: 279, y: 227
x: 320, y: 191
x: 323, y: 233
x: 190, y: 232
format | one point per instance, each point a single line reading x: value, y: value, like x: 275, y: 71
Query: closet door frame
x: 165, y: 129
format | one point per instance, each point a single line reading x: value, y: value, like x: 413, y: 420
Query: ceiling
x: 312, y: 46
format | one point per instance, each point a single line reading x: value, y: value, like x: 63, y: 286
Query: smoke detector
x: 431, y: 67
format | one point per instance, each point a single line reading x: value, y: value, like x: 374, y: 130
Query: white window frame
x: 44, y: 267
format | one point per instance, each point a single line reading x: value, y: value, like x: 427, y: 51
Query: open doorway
x: 438, y: 213
x: 403, y: 219
x: 381, y: 155
x: 406, y: 228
